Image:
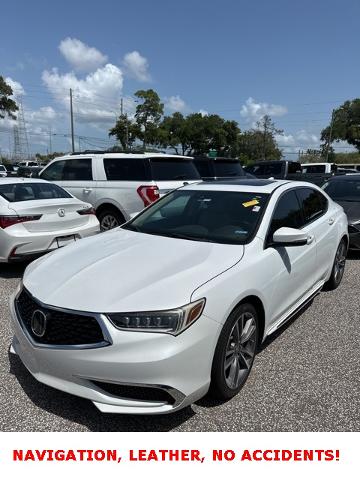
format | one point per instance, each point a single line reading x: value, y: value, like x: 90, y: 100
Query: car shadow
x: 83, y: 412
x: 12, y: 270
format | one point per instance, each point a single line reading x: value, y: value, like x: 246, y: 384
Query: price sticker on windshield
x: 251, y: 203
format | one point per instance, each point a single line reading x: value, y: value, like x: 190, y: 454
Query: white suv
x: 120, y: 184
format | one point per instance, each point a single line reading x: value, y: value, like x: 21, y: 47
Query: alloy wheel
x: 108, y: 222
x: 240, y: 350
x: 340, y: 259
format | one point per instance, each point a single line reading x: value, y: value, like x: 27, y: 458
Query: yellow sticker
x: 251, y: 203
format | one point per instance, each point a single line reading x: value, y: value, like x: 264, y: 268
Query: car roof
x: 13, y: 180
x: 352, y: 176
x: 309, y: 164
x: 123, y: 155
x: 240, y: 185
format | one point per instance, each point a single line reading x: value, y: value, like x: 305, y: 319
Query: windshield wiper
x: 182, y: 236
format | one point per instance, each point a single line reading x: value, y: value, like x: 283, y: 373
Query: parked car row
x: 149, y: 317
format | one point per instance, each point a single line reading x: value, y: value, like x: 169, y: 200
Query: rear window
x: 204, y: 168
x: 2, y: 168
x: 125, y: 169
x: 313, y: 169
x: 22, y: 192
x: 173, y: 169
x: 224, y: 168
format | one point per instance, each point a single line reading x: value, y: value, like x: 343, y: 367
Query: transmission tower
x: 21, y: 142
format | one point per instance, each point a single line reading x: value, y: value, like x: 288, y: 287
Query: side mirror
x: 290, y: 237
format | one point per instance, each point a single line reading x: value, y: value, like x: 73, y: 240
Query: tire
x: 338, y: 268
x: 235, y: 352
x: 110, y: 218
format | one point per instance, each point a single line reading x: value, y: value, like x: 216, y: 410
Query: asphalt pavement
x: 305, y: 378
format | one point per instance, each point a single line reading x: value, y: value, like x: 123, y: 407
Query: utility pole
x: 50, y: 146
x: 330, y: 135
x: 72, y: 123
x: 121, y: 106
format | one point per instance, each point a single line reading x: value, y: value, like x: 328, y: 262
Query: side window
x: 294, y: 167
x: 287, y: 213
x: 77, y: 169
x: 125, y: 169
x: 273, y: 169
x: 54, y: 171
x: 313, y: 202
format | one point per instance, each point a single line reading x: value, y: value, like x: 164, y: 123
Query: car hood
x: 121, y: 270
x: 352, y: 210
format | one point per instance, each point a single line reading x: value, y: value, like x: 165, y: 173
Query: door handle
x: 87, y: 190
x: 310, y: 239
x: 331, y: 221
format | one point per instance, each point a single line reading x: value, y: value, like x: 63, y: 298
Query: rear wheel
x: 110, y: 218
x: 338, y: 269
x: 235, y: 352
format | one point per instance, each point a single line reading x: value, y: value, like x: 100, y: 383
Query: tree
x: 344, y: 125
x: 267, y: 127
x: 7, y: 105
x: 125, y: 131
x: 148, y: 115
x: 311, y: 156
x: 251, y: 146
x: 196, y: 134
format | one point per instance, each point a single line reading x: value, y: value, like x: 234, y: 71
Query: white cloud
x: 253, y: 111
x: 17, y: 88
x: 136, y: 66
x: 96, y: 97
x: 285, y: 140
x: 43, y: 115
x: 81, y: 56
x: 176, y: 104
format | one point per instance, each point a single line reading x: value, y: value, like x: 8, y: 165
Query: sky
x: 241, y: 59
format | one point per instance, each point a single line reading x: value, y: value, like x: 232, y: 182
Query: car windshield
x: 22, y: 192
x: 2, y: 168
x: 345, y: 190
x: 209, y: 216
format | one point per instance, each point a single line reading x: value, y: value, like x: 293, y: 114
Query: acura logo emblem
x: 38, y: 323
x: 61, y: 212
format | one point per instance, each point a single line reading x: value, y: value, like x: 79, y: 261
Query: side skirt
x: 294, y: 310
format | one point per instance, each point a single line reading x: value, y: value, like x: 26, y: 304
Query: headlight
x: 165, y: 321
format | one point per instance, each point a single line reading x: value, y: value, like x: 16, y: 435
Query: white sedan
x: 148, y: 317
x: 37, y: 216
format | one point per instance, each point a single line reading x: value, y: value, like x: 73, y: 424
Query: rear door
x: 75, y: 175
x: 320, y: 222
x: 170, y: 173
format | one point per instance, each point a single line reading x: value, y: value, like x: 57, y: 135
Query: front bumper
x: 180, y: 367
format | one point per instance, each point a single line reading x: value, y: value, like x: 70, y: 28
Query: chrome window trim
x: 100, y: 318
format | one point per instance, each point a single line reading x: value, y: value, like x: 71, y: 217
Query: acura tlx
x: 150, y: 316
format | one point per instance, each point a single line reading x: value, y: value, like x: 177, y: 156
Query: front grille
x: 133, y: 392
x: 62, y: 328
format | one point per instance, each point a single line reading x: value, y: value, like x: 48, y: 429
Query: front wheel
x: 235, y: 352
x: 338, y: 268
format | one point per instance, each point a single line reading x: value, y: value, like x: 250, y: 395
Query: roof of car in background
x: 13, y: 180
x: 121, y: 155
x: 346, y: 177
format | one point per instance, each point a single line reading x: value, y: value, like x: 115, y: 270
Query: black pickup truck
x: 285, y: 169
